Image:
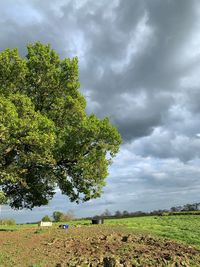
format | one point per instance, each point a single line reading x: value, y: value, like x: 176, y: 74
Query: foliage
x: 118, y: 213
x: 46, y: 219
x: 46, y: 138
x: 106, y: 213
x: 187, y: 209
x: 7, y: 222
x: 192, y: 212
x: 3, y: 199
x: 59, y: 216
x: 68, y: 216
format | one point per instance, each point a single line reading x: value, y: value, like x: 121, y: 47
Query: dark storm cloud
x: 164, y: 28
x: 124, y: 47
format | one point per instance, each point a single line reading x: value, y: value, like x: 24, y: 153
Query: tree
x: 125, y: 213
x: 196, y: 206
x: 106, y: 213
x: 189, y: 207
x: 173, y: 209
x: 118, y: 214
x: 47, y: 140
x: 46, y: 219
x: 57, y: 216
x: 3, y: 200
x: 68, y: 216
x: 176, y: 209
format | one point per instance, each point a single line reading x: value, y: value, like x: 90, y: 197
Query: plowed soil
x: 91, y: 246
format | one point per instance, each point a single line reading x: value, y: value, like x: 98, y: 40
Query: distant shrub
x: 63, y: 217
x: 192, y: 212
x: 7, y: 222
x: 46, y: 219
x: 166, y: 214
x: 69, y: 216
x: 57, y: 215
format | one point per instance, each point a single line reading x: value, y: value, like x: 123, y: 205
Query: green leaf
x: 47, y: 140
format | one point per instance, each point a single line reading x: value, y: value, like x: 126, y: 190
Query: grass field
x: 141, y: 241
x: 185, y: 228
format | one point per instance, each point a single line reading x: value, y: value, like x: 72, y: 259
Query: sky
x: 139, y: 65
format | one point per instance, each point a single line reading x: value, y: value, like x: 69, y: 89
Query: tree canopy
x: 47, y: 140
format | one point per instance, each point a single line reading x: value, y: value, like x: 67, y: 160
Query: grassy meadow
x: 150, y: 240
x: 184, y: 228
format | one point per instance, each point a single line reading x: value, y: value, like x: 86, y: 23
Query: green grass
x: 17, y: 227
x: 74, y: 223
x: 55, y: 224
x: 4, y: 258
x: 184, y: 228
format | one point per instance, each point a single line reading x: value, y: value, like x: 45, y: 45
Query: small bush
x: 7, y: 222
x: 46, y: 219
x: 69, y: 216
x: 57, y: 215
x: 63, y: 217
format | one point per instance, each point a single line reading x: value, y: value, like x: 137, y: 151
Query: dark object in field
x: 109, y: 262
x: 97, y: 221
x: 64, y: 226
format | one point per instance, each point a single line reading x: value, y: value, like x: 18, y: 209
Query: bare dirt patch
x: 91, y: 246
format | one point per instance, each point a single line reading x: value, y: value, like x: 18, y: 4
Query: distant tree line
x: 126, y: 214
x: 187, y: 207
x: 59, y: 216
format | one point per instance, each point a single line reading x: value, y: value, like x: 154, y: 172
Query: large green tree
x: 47, y: 140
